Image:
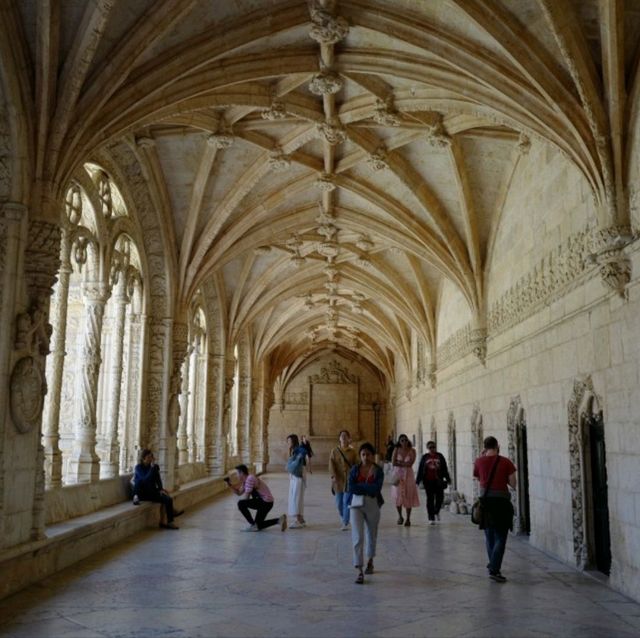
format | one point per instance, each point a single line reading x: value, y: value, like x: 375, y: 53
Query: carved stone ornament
x: 278, y: 161
x: 329, y: 249
x: 325, y: 183
x: 437, y: 135
x: 378, y: 160
x: 606, y: 250
x: 221, y: 141
x: 276, y: 111
x: 524, y: 144
x: 333, y: 373
x: 385, y: 114
x: 325, y: 83
x: 334, y: 133
x: 27, y: 394
x: 326, y: 29
x: 479, y: 344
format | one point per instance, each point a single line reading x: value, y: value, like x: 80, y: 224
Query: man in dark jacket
x: 434, y: 475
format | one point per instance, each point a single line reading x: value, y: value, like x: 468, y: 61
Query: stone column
x: 200, y: 426
x: 110, y: 460
x: 216, y: 459
x: 185, y: 410
x: 229, y: 370
x: 33, y: 331
x: 179, y: 352
x: 51, y: 425
x: 194, y: 398
x: 84, y: 466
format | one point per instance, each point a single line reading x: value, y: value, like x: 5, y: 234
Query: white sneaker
x: 296, y: 525
x: 345, y: 527
x: 251, y: 528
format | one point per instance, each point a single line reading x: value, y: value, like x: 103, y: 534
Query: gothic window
x: 191, y: 431
x: 91, y: 423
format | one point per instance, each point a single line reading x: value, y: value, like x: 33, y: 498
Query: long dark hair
x: 294, y: 444
x: 404, y: 436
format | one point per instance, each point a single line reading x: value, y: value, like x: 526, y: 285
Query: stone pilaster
x: 51, y: 424
x: 185, y: 409
x: 214, y: 434
x: 84, y: 465
x: 110, y: 457
x: 179, y: 352
x: 33, y: 331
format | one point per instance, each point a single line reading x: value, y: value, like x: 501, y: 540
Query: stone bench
x: 72, y: 540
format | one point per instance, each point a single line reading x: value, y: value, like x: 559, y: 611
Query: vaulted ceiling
x: 331, y: 164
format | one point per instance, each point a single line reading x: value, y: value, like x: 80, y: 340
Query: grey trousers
x: 364, y: 522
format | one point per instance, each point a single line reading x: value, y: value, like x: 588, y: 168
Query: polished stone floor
x: 210, y: 579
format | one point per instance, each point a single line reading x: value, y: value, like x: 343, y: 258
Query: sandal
x: 360, y: 579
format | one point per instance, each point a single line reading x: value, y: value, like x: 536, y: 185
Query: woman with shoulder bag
x: 365, y: 486
x: 343, y: 457
x: 295, y: 467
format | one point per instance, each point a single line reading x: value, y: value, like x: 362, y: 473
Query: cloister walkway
x: 209, y: 579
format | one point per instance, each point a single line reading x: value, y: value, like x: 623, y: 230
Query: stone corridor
x: 209, y: 579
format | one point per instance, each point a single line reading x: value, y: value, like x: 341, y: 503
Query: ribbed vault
x: 328, y: 165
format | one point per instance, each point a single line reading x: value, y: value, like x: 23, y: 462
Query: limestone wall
x: 294, y: 414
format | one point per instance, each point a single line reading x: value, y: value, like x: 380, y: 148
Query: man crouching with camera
x: 255, y: 495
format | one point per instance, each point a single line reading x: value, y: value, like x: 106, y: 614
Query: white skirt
x: 296, y: 496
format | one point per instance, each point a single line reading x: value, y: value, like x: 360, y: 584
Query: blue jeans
x: 496, y: 541
x: 343, y: 500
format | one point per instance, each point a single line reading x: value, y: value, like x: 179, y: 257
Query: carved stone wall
x: 577, y: 411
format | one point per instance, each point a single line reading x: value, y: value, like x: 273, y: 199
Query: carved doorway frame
x: 452, y: 450
x: 518, y: 452
x: 583, y: 406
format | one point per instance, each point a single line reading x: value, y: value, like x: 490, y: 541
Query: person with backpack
x: 343, y: 457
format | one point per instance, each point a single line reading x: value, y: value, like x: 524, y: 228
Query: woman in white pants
x: 296, y: 468
x: 365, y: 480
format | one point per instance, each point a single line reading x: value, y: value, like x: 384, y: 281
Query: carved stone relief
x: 333, y: 373
x: 5, y: 155
x: 582, y: 389
x: 27, y: 394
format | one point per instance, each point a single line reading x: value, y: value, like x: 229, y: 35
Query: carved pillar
x: 110, y: 460
x: 229, y: 369
x: 28, y: 385
x: 200, y: 426
x: 216, y: 459
x: 185, y: 410
x: 84, y: 464
x: 179, y: 352
x: 192, y: 416
x: 51, y: 425
x: 129, y: 421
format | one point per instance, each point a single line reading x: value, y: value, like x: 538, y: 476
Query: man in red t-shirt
x: 497, y: 473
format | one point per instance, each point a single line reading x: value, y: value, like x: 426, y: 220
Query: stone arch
x: 583, y: 402
x: 452, y: 449
x: 120, y: 161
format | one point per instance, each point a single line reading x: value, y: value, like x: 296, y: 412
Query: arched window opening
x: 91, y: 424
x: 235, y: 402
x: 191, y: 430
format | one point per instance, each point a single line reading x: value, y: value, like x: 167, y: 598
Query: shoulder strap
x: 492, y: 474
x: 344, y: 457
